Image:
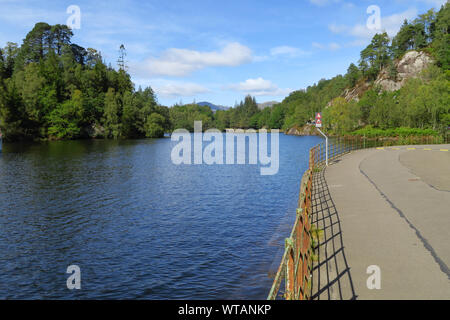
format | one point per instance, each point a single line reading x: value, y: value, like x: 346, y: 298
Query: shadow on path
x: 331, y: 278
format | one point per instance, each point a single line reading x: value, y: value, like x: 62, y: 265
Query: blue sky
x: 219, y: 51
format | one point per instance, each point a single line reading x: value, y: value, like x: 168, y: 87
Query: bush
x: 371, y: 132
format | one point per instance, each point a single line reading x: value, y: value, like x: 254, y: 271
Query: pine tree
x: 121, y: 61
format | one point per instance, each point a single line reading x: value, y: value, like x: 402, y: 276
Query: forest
x: 420, y: 107
x: 51, y: 88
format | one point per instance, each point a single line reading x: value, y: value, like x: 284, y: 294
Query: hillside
x: 213, y: 107
x: 398, y: 82
x: 410, y: 66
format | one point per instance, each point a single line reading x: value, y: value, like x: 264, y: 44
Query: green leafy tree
x: 130, y: 116
x: 342, y: 116
x: 276, y: 117
x: 353, y: 75
x: 112, y: 114
x: 375, y: 56
x: 12, y: 113
x: 65, y: 120
x: 441, y: 37
x: 403, y: 41
x: 154, y: 126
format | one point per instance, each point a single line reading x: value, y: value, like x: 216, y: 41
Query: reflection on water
x: 139, y: 226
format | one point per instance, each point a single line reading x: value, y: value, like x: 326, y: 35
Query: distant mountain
x: 212, y: 106
x: 264, y: 105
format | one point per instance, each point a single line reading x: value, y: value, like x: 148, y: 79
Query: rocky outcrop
x: 410, y: 66
x: 306, y: 130
x: 356, y: 92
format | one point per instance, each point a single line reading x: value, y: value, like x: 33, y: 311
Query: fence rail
x: 341, y: 145
x: 295, y: 267
x: 296, y: 264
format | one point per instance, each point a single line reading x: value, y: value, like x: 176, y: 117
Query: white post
x: 326, y: 146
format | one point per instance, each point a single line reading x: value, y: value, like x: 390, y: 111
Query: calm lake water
x: 138, y: 226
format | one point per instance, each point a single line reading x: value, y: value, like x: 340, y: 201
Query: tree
x: 276, y: 117
x: 10, y: 53
x: 366, y: 103
x: 121, y: 60
x: 65, y: 120
x: 130, y: 116
x: 441, y: 36
x: 60, y: 36
x: 428, y: 21
x: 222, y: 119
x: 353, y: 75
x: 342, y: 116
x: 111, y: 115
x: 36, y: 45
x: 79, y: 53
x: 93, y: 57
x: 30, y: 84
x: 2, y: 66
x: 385, y: 113
x: 11, y: 112
x: 154, y: 126
x: 250, y: 106
x: 375, y: 56
x: 403, y: 41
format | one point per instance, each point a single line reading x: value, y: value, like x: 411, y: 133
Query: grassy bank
x: 395, y: 136
x: 404, y: 132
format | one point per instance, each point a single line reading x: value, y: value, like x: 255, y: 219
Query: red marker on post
x: 319, y: 125
x: 318, y: 120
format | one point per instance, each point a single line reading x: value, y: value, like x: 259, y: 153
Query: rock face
x: 306, y: 130
x: 410, y: 66
x: 355, y: 93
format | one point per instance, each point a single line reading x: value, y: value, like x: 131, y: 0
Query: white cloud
x: 261, y: 58
x: 287, y: 51
x: 318, y: 45
x: 331, y: 46
x: 391, y: 24
x: 182, y: 62
x: 334, y: 46
x: 260, y: 87
x: 13, y: 12
x: 180, y: 89
x: 322, y: 3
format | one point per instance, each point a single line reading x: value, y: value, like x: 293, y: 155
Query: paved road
x: 394, y: 211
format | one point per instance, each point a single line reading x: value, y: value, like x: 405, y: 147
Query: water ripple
x: 137, y: 225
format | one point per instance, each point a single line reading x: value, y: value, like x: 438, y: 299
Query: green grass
x: 371, y: 132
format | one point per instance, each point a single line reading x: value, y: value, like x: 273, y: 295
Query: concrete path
x: 393, y: 211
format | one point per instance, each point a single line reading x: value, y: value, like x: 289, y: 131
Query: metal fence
x: 295, y: 267
x: 338, y: 146
x: 296, y: 263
